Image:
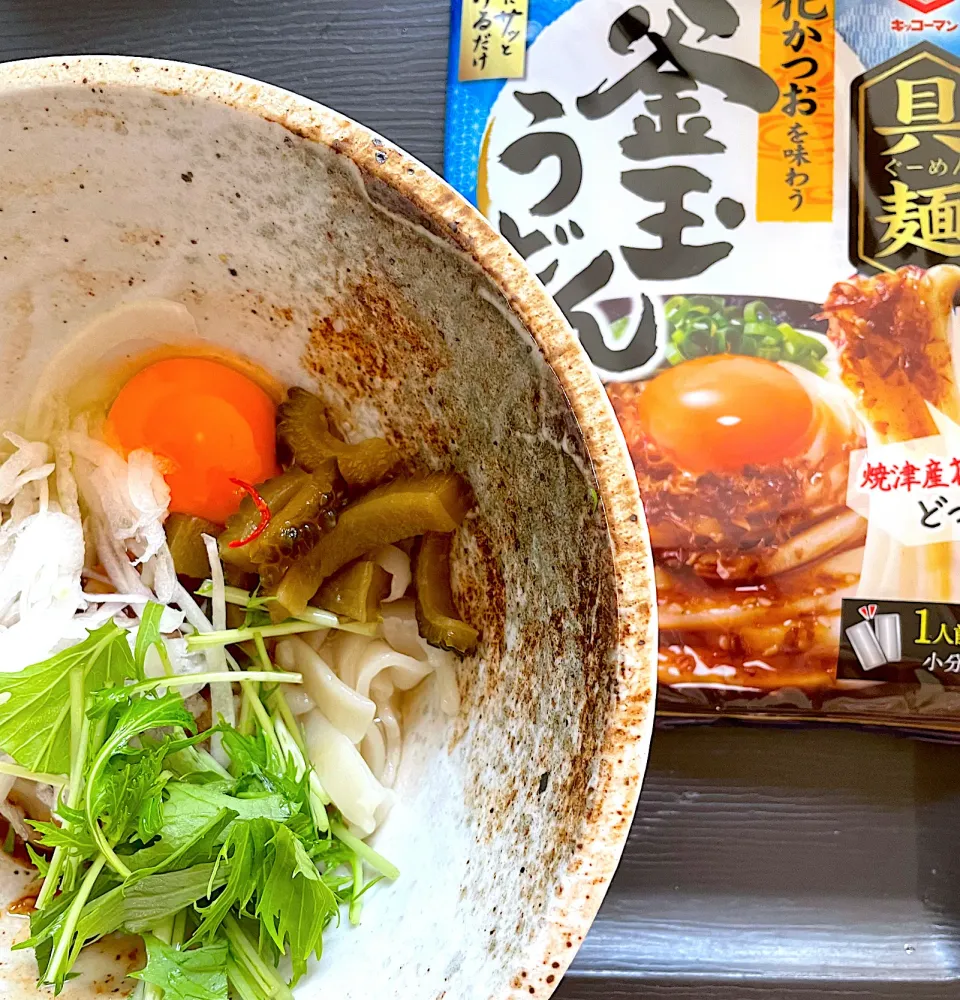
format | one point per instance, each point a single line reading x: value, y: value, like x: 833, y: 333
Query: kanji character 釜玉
x: 674, y: 258
x: 740, y: 82
x: 659, y: 133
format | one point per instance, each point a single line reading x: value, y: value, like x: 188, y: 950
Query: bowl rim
x: 625, y: 745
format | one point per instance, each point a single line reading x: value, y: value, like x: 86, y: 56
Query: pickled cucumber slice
x: 276, y: 492
x: 383, y: 516
x: 186, y: 546
x: 440, y: 623
x: 356, y: 591
x: 297, y: 526
x: 303, y: 438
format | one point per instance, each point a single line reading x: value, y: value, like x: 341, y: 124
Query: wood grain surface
x: 383, y: 63
x: 762, y: 864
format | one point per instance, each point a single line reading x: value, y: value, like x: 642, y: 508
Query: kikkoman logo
x: 926, y: 6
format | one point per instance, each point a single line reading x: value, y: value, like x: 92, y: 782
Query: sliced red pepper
x: 262, y: 509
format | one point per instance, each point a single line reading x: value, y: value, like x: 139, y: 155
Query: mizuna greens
x: 224, y: 871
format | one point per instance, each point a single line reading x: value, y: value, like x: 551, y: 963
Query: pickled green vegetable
x: 356, y: 591
x: 234, y: 576
x: 186, y: 545
x: 704, y: 324
x: 303, y: 438
x: 236, y: 617
x: 383, y: 516
x: 440, y: 623
x: 365, y: 463
x: 299, y: 523
x: 276, y: 492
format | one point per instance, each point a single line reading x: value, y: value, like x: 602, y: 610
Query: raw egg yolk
x: 206, y: 422
x: 725, y: 412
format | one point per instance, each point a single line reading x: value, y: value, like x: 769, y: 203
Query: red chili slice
x: 262, y: 509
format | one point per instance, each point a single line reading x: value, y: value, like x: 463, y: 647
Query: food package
x: 749, y: 212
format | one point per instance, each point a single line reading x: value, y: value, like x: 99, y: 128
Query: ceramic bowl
x: 320, y: 252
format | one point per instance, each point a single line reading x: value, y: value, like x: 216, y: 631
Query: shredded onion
x: 221, y: 695
x: 397, y: 563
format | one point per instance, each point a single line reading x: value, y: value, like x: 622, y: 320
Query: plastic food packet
x: 748, y: 210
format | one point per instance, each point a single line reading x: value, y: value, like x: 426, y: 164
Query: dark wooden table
x: 762, y: 864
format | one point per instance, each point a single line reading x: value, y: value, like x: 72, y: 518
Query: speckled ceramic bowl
x: 321, y: 252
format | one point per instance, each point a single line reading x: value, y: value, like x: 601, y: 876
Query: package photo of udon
x: 749, y: 213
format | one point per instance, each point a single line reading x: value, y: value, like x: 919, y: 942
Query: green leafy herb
x: 142, y: 904
x: 367, y: 853
x: 293, y: 903
x: 223, y: 871
x: 140, y: 715
x: 241, y: 857
x: 35, y: 719
x: 198, y: 974
x: 38, y: 861
x: 73, y: 834
x: 202, y: 847
x: 148, y: 635
x: 189, y: 808
x: 249, y: 974
x: 127, y: 795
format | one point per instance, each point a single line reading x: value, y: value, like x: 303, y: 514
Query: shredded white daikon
x: 41, y: 556
x: 75, y: 517
x: 221, y: 697
x: 397, y: 563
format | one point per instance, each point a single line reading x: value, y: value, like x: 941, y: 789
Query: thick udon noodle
x: 350, y: 704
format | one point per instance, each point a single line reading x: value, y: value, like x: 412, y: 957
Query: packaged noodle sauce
x: 749, y: 211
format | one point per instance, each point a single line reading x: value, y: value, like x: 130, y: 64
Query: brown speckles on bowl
x: 349, y: 266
